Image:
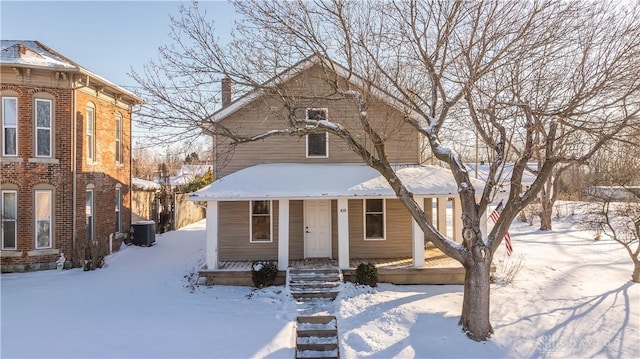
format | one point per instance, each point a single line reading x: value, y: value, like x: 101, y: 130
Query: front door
x: 317, y: 226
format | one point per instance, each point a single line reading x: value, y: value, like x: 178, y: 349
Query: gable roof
x: 35, y: 54
x: 325, y: 181
x: 300, y: 67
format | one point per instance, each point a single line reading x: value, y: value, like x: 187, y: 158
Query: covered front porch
x: 319, y: 214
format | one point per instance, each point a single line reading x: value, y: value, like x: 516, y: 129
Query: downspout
x: 74, y: 166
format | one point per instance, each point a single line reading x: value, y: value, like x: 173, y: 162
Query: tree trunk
x: 635, y: 277
x: 546, y: 211
x: 475, y: 318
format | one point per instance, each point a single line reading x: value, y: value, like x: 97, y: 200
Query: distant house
x: 502, y: 188
x: 187, y: 173
x: 288, y: 199
x: 65, y: 158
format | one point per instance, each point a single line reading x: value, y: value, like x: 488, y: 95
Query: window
x: 118, y: 138
x: 9, y: 126
x: 43, y: 128
x: 261, y: 226
x: 89, y: 213
x: 91, y: 133
x: 9, y: 214
x: 374, y: 219
x: 118, y: 205
x: 317, y: 143
x: 43, y: 218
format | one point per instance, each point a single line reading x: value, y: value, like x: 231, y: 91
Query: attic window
x: 317, y: 143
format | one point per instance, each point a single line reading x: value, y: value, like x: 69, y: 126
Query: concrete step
x: 317, y: 343
x: 313, y: 285
x: 314, y: 277
x: 330, y: 354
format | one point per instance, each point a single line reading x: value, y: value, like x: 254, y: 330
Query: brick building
x: 65, y: 163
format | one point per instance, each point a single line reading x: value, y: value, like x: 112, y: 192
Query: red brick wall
x: 28, y: 174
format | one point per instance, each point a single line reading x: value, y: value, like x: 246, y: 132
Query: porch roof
x: 316, y: 181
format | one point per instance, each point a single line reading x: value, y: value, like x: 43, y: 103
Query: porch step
x: 308, y: 283
x: 317, y: 337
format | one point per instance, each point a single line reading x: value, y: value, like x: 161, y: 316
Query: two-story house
x: 286, y: 199
x: 65, y: 169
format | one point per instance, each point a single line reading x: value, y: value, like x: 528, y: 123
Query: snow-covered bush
x: 263, y: 273
x: 367, y: 274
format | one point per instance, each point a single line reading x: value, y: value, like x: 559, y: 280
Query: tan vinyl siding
x: 233, y: 234
x: 267, y: 113
x: 296, y: 229
x: 398, y: 240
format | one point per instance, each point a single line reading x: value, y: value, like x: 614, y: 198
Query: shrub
x: 263, y: 273
x: 367, y: 274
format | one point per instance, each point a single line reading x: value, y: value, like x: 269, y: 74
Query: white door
x: 317, y: 227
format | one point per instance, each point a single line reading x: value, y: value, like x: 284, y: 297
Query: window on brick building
x: 317, y: 143
x: 89, y: 209
x: 44, y: 214
x: 91, y: 133
x: 9, y: 215
x: 261, y: 225
x: 118, y: 228
x: 43, y: 127
x: 118, y: 138
x: 9, y: 126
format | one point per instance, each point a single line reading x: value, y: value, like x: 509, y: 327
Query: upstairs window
x: 317, y: 143
x: 9, y: 126
x: 261, y: 226
x: 9, y: 215
x: 43, y: 128
x: 91, y: 134
x: 118, y: 138
x: 374, y: 219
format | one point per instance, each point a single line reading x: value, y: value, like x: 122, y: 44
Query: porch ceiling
x: 324, y: 181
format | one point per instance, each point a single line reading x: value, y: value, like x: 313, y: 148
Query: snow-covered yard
x: 572, y: 298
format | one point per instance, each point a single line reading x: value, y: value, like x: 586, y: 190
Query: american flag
x: 495, y: 215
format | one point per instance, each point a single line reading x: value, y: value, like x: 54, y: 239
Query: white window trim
x: 118, y: 141
x: 93, y: 212
x: 50, y: 128
x: 270, y: 223
x: 4, y: 126
x: 326, y: 111
x: 91, y: 145
x: 35, y: 224
x: 384, y: 220
x: 15, y: 220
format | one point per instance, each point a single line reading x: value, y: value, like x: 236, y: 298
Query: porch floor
x: 434, y: 258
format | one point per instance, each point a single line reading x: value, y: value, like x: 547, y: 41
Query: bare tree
x: 537, y: 81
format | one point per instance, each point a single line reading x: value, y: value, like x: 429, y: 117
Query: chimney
x: 227, y: 91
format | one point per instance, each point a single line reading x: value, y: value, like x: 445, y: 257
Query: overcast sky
x: 105, y: 37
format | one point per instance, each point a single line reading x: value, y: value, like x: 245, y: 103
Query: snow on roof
x: 33, y: 54
x: 139, y: 183
x: 36, y: 54
x: 195, y: 170
x: 306, y: 181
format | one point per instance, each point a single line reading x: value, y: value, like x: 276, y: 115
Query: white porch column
x: 442, y: 215
x: 212, y: 235
x: 457, y: 219
x: 343, y: 233
x: 283, y: 234
x: 418, y: 239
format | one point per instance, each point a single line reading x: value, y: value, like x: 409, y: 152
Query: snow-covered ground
x: 571, y: 298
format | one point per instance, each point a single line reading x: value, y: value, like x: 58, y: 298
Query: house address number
x: 343, y: 210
